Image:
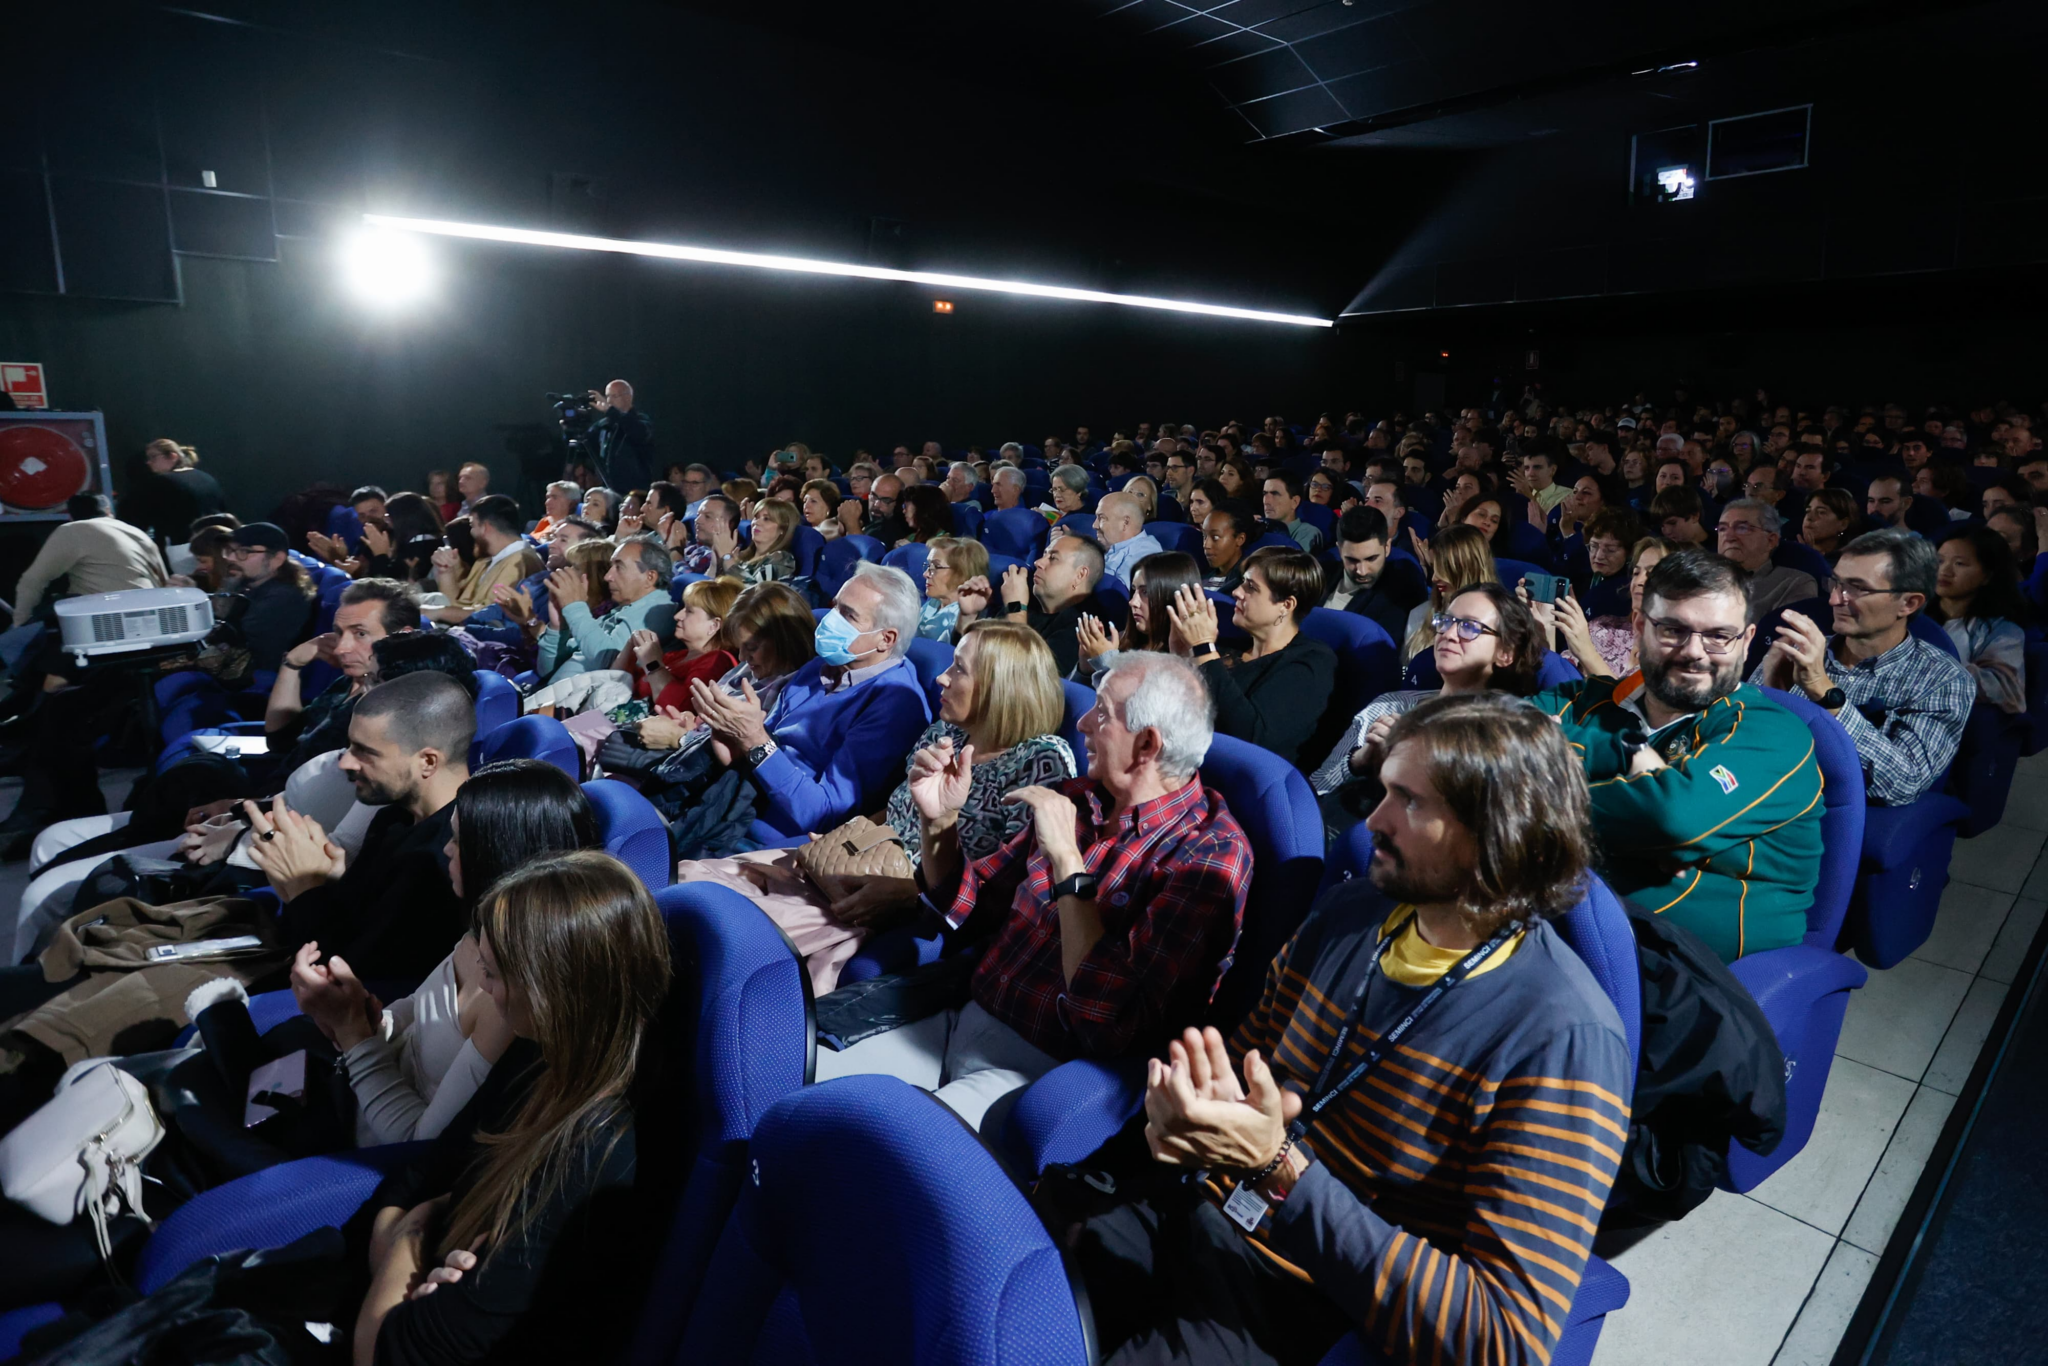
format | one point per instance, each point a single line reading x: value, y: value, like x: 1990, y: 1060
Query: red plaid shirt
x: 1174, y: 872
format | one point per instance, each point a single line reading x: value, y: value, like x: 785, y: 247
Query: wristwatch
x: 1206, y: 651
x: 759, y: 753
x: 1833, y: 699
x: 1082, y: 885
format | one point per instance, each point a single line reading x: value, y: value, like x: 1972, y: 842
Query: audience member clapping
x: 770, y: 553
x: 1062, y: 588
x: 1273, y: 692
x: 1155, y: 585
x: 1001, y: 703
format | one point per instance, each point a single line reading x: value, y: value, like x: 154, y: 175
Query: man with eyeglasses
x: 1706, y: 795
x: 1902, y: 700
x: 1748, y: 533
x: 1180, y: 477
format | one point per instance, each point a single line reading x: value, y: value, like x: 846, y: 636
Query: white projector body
x: 140, y: 619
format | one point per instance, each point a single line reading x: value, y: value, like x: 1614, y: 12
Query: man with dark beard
x: 1706, y: 794
x: 391, y: 912
x: 1431, y: 1012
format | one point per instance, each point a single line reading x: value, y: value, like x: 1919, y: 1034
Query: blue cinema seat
x: 753, y: 1043
x: 1080, y: 700
x: 497, y: 702
x: 1080, y: 524
x: 950, y: 1268
x: 1319, y: 517
x: 532, y: 737
x: 870, y: 549
x: 1017, y: 532
x: 835, y: 566
x: 1368, y: 664
x: 1181, y: 536
x: 930, y: 658
x: 807, y: 545
x: 910, y: 559
x: 634, y: 832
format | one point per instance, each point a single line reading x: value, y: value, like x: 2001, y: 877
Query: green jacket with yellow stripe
x: 1726, y: 840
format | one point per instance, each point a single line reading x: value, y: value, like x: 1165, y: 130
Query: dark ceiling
x: 1339, y: 68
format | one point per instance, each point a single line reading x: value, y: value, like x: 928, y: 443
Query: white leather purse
x: 82, y: 1152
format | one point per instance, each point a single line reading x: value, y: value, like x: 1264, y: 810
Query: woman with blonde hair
x: 1008, y: 731
x: 770, y: 553
x: 514, y: 1223
x: 952, y: 561
x: 1454, y: 557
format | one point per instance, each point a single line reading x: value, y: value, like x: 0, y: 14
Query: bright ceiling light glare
x: 386, y: 270
x: 713, y: 256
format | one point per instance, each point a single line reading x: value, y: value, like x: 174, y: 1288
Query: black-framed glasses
x: 1466, y: 629
x: 1851, y: 591
x: 1673, y: 635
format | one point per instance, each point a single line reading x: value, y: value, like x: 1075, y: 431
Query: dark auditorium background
x: 1452, y: 176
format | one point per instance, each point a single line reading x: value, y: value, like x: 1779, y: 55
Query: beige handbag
x: 859, y: 848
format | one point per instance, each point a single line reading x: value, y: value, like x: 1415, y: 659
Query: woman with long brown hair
x: 531, y: 1189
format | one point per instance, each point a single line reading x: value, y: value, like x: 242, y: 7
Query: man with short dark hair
x: 699, y: 482
x: 1903, y: 701
x: 503, y: 558
x: 1052, y: 599
x: 1282, y: 506
x: 390, y: 911
x: 278, y: 604
x: 370, y: 610
x: 1503, y: 1109
x: 1705, y: 793
x: 472, y: 481
x: 1370, y: 579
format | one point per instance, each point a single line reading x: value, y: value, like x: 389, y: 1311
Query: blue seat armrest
x: 768, y: 837
x: 266, y: 898
x: 269, y: 1009
x: 1892, y: 833
x: 1786, y: 981
x: 1071, y: 1111
x: 270, y: 1208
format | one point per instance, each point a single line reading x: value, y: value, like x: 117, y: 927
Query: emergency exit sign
x: 23, y: 382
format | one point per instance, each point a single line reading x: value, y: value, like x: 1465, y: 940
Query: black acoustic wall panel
x: 28, y: 257
x: 204, y: 224
x: 115, y: 239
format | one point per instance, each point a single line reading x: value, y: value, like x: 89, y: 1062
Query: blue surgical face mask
x: 834, y: 638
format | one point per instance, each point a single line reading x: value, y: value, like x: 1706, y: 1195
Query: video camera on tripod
x: 574, y: 411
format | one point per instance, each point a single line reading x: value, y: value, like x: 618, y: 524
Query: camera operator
x: 624, y: 436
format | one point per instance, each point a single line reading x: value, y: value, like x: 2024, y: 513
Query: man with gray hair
x: 1007, y: 483
x: 833, y: 745
x: 959, y: 485
x: 1120, y: 530
x: 1749, y: 531
x: 1903, y: 701
x: 1110, y: 917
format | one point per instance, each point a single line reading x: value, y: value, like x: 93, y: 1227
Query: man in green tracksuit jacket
x: 1706, y: 794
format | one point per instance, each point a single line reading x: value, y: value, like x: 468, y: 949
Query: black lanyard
x: 1321, y: 1097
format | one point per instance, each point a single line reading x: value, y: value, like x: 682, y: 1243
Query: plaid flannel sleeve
x: 1907, y: 755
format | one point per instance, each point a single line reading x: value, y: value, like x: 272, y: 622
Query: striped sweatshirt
x: 1454, y: 1193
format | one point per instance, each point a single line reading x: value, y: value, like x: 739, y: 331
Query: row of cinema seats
x: 953, y: 1266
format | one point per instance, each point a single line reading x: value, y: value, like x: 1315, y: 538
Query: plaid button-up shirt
x: 1173, y: 872
x: 1906, y: 713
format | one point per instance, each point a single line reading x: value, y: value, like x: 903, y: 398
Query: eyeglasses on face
x: 1850, y: 590
x: 1737, y: 528
x: 1673, y: 635
x: 1464, y: 628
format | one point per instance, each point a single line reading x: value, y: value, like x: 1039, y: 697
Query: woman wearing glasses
x: 1486, y: 640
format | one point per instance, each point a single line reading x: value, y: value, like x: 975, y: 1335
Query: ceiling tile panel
x: 1363, y: 47
x: 1295, y: 112
x: 1261, y: 77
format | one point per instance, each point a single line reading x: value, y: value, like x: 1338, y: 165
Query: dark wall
x: 694, y: 129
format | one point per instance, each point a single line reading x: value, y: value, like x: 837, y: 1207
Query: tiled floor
x: 1771, y: 1278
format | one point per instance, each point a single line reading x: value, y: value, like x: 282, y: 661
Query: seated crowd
x: 1010, y: 680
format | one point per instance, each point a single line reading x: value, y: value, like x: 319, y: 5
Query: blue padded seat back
x: 1182, y: 536
x: 1272, y: 802
x: 1080, y: 524
x: 952, y: 1266
x: 748, y: 1042
x: 1080, y: 700
x: 835, y: 566
x: 497, y: 701
x: 910, y: 559
x: 532, y: 737
x: 1930, y: 630
x: 1842, y: 817
x: 1319, y: 517
x: 930, y: 658
x: 1792, y: 554
x: 1525, y: 542
x: 634, y: 832
x: 1278, y: 540
x: 966, y: 521
x: 1017, y: 531
x: 343, y: 522
x: 998, y: 564
x: 1511, y: 571
x: 808, y: 545
x: 1368, y: 663
x: 870, y: 549
x: 1554, y: 672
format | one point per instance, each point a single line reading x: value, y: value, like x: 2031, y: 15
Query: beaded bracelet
x: 1286, y: 1146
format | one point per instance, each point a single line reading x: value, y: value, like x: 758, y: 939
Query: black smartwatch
x: 1082, y: 885
x: 1834, y: 699
x: 1205, y: 652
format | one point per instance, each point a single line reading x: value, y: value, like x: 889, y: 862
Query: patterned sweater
x: 1455, y: 1192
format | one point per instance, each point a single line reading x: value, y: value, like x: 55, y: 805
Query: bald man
x: 625, y: 438
x: 1120, y: 529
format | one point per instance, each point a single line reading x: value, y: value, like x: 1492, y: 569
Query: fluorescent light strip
x: 712, y: 256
